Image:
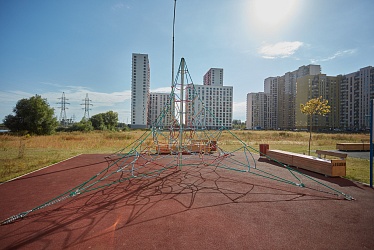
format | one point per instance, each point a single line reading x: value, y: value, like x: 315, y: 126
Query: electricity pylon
x: 86, y: 108
x: 63, y: 120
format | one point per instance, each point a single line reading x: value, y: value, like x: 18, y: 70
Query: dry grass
x: 20, y: 155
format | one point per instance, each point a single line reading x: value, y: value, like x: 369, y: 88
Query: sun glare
x: 271, y: 14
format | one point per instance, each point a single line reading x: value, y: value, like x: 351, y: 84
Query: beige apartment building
x: 257, y: 111
x: 348, y: 95
x: 280, y: 95
x: 309, y: 87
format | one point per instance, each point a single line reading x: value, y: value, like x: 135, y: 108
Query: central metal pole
x: 181, y: 113
x: 172, y: 109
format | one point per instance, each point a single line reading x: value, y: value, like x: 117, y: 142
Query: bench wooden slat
x: 280, y: 156
x: 336, y: 154
x: 348, y: 146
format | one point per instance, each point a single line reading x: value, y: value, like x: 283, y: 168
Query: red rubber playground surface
x: 193, y: 208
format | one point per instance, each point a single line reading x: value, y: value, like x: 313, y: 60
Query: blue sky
x: 85, y: 46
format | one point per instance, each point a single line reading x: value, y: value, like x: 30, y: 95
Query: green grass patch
x: 21, y: 155
x: 358, y: 170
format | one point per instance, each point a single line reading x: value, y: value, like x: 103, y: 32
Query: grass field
x: 21, y: 155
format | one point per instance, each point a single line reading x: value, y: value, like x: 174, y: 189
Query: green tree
x: 110, y: 120
x: 97, y: 121
x: 316, y: 106
x: 103, y: 121
x: 83, y: 126
x: 238, y: 124
x: 33, y: 116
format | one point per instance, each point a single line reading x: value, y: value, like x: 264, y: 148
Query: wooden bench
x: 342, y: 156
x: 327, y: 167
x: 350, y: 146
x: 201, y: 147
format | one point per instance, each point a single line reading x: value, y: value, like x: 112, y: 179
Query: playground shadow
x: 146, y: 202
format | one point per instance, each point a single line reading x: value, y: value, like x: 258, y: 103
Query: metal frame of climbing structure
x: 179, y: 138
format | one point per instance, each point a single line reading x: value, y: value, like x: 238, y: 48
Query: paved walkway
x: 193, y: 208
x: 356, y: 154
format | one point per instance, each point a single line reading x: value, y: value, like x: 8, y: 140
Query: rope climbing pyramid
x: 179, y: 138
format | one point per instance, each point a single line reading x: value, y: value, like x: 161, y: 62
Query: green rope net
x: 179, y: 137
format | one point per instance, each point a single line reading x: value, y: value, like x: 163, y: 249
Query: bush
x: 32, y: 116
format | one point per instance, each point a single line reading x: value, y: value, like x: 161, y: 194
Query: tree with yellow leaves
x: 315, y: 106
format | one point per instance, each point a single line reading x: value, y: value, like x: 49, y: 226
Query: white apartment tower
x: 159, y: 110
x: 211, y: 104
x: 140, y: 81
x: 214, y: 76
x: 357, y: 89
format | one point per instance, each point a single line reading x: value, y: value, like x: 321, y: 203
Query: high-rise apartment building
x: 348, y: 96
x: 280, y: 94
x: 314, y: 86
x: 140, y: 84
x: 214, y: 76
x: 256, y: 111
x: 357, y: 89
x: 271, y: 110
x: 287, y: 94
x: 159, y: 109
x: 210, y: 105
x: 213, y: 106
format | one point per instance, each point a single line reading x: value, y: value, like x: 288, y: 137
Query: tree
x: 105, y: 121
x: 83, y: 126
x: 316, y: 106
x: 238, y: 124
x: 97, y: 121
x: 111, y: 120
x: 33, y: 116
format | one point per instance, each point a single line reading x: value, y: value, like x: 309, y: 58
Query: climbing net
x: 179, y: 137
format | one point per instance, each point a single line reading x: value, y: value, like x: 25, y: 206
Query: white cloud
x: 162, y: 90
x: 102, y: 102
x: 119, y: 6
x: 279, y: 50
x: 240, y: 110
x: 13, y: 96
x: 339, y: 53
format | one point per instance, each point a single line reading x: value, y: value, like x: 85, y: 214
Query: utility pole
x: 86, y: 108
x: 63, y: 120
x: 371, y: 141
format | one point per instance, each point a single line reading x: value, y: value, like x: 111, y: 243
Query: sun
x: 271, y: 14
